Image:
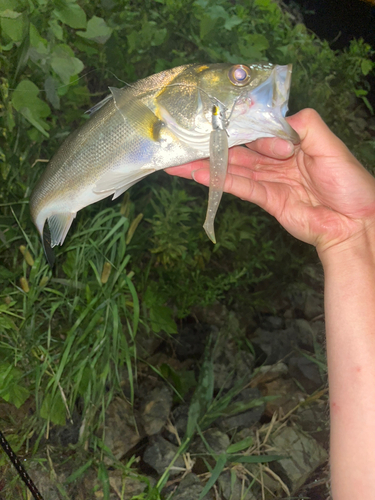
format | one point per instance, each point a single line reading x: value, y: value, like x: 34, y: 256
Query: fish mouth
x: 282, y: 76
x: 263, y: 109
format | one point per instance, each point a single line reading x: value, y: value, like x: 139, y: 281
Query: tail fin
x: 46, y: 240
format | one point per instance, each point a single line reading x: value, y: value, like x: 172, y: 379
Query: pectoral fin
x: 134, y: 112
x: 218, y: 172
x: 118, y: 182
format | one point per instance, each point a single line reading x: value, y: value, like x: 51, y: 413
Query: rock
x: 272, y: 487
x: 302, y: 456
x: 274, y: 345
x: 215, y: 314
x: 306, y: 372
x: 217, y: 440
x: 189, y: 488
x: 278, y: 344
x: 155, y: 409
x: 303, y: 334
x: 231, y: 363
x: 314, y: 419
x: 63, y: 435
x: 180, y: 418
x: 47, y: 487
x: 246, y: 418
x: 314, y: 304
x: 126, y: 487
x: 268, y: 373
x: 190, y: 342
x: 319, y: 329
x: 287, y: 396
x: 306, y: 300
x: 160, y: 453
x: 121, y: 432
x: 233, y: 488
x: 272, y: 323
x: 146, y: 343
x: 313, y: 275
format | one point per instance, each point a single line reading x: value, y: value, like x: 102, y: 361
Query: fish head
x: 255, y: 98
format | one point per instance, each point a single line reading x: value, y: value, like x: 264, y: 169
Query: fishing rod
x: 19, y: 468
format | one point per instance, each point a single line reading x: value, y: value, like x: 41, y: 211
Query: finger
x: 272, y: 147
x: 186, y: 170
x: 316, y: 137
x: 242, y: 187
x: 238, y: 156
x: 249, y: 158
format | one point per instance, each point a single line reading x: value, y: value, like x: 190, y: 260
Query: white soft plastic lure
x: 218, y: 166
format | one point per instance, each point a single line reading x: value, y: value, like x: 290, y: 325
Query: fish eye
x: 239, y: 75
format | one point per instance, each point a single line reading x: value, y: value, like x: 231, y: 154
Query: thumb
x: 316, y: 137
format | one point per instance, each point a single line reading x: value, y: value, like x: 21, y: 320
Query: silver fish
x: 161, y: 121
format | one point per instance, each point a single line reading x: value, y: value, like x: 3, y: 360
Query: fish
x: 168, y: 119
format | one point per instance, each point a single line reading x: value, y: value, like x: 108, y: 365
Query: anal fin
x: 59, y: 225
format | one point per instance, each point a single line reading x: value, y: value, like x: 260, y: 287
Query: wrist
x: 347, y: 254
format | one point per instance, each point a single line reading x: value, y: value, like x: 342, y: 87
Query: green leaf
x: 97, y: 30
x: 241, y: 445
x: 162, y: 320
x: 56, y: 29
x: 218, y: 469
x: 26, y: 101
x: 6, y: 274
x: 79, y: 472
x: 253, y: 459
x: 206, y: 26
x: 231, y: 22
x: 53, y: 409
x: 10, y: 388
x: 104, y: 479
x: 158, y: 37
x: 50, y: 86
x: 202, y: 396
x: 38, y: 42
x: 65, y: 64
x: 252, y: 46
x: 72, y: 15
x: 368, y: 104
x: 366, y: 66
x: 10, y: 14
x: 13, y: 27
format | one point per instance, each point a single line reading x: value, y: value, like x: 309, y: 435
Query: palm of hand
x: 319, y: 200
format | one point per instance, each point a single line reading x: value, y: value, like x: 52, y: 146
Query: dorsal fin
x: 99, y: 105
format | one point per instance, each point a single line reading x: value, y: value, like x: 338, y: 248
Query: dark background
x: 339, y: 21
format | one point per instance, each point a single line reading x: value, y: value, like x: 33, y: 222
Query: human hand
x: 317, y: 191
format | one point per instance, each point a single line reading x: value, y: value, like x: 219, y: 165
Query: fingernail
x: 282, y: 148
x: 193, y: 175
